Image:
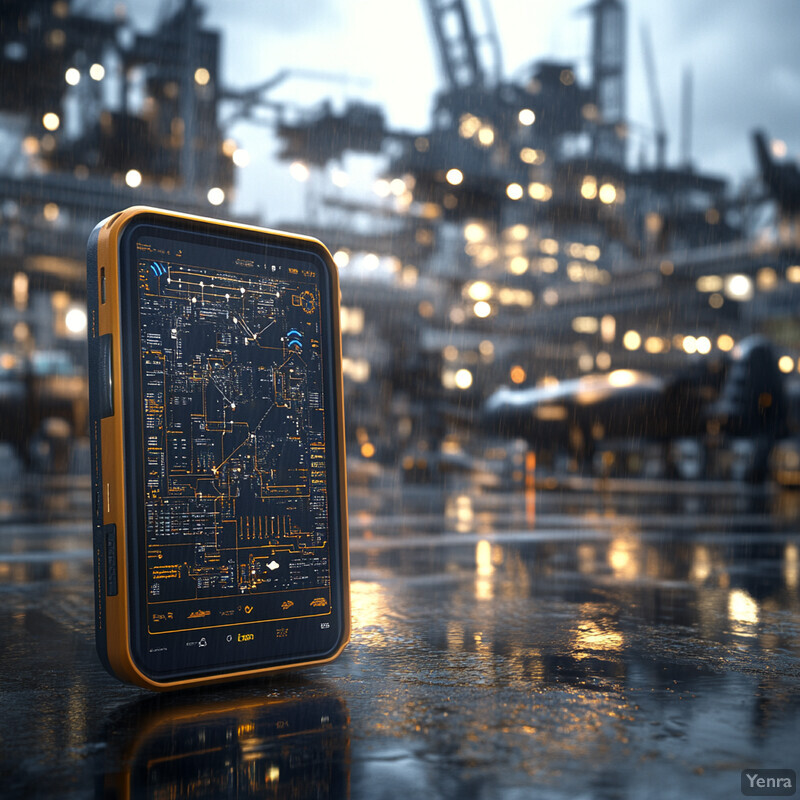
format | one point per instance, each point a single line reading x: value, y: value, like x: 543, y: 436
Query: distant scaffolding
x: 608, y: 65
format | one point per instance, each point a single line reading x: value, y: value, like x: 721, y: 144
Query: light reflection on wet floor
x: 640, y: 641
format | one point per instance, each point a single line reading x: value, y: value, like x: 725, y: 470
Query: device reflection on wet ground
x: 583, y: 640
x: 234, y: 745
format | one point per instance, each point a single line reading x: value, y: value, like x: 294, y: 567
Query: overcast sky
x: 744, y: 56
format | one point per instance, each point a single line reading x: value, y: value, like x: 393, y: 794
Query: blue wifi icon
x: 295, y: 338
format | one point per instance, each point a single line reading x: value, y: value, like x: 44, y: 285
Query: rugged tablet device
x: 220, y: 514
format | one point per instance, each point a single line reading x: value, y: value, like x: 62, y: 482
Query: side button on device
x: 105, y: 377
x: 110, y: 532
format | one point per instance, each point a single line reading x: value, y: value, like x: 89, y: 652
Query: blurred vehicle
x: 580, y: 413
x: 741, y: 406
x: 43, y: 404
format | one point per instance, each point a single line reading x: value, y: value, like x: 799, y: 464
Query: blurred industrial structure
x: 511, y: 243
x: 95, y: 117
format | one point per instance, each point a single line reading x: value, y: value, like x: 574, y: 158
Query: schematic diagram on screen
x: 235, y: 465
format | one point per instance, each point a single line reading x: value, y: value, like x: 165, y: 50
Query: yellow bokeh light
x: 482, y: 309
x: 450, y: 352
x: 486, y: 136
x: 517, y: 374
x: 709, y: 283
x: 463, y: 379
x: 202, y: 76
x: 474, y: 232
x: 576, y: 250
x: 479, y: 290
x: 514, y: 191
x: 97, y: 72
x: 454, y: 176
x: 607, y: 193
x: 468, y: 125
x: 622, y: 558
x: 585, y: 324
x: 216, y: 196
x: 540, y: 191
x: 791, y: 565
x: 526, y: 117
x: 548, y: 265
x: 367, y: 449
x: 725, y: 343
x: 786, y: 364
x: 631, y: 340
x: 518, y: 265
x: 608, y: 328
x: 622, y: 377
x: 701, y: 564
x: 483, y: 557
x: 51, y: 121
x: 133, y: 178
x: 653, y: 344
x: 766, y: 279
x: 739, y: 287
x: 75, y: 320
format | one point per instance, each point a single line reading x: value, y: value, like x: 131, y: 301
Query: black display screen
x: 233, y: 507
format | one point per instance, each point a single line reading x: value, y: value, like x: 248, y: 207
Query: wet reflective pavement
x: 584, y: 640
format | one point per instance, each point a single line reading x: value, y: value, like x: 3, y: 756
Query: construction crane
x: 457, y: 43
x: 457, y: 48
x: 655, y: 97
